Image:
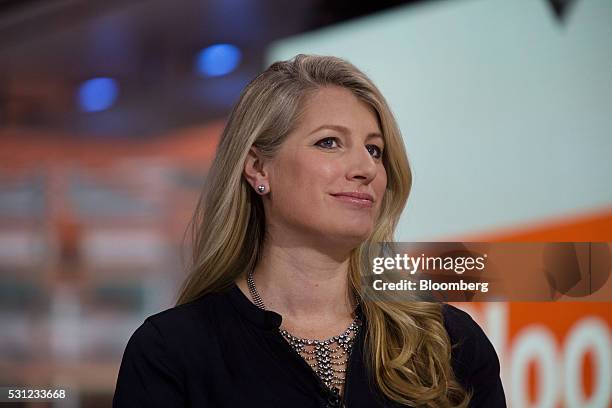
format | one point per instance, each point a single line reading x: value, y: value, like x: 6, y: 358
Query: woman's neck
x: 304, y: 284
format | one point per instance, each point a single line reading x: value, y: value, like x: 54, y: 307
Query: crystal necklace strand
x: 319, y: 354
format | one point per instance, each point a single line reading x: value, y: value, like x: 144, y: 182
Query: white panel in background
x: 506, y: 113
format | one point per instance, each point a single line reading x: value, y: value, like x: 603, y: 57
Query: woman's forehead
x: 338, y: 109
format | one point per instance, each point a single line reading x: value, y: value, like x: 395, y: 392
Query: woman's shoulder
x: 165, y: 350
x: 474, y: 359
x: 460, y: 325
x: 201, y: 309
x: 178, y: 326
x: 468, y: 340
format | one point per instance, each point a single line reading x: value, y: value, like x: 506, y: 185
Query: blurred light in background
x: 218, y: 60
x: 98, y: 94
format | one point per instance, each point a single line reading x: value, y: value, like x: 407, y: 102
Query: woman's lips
x: 359, y: 200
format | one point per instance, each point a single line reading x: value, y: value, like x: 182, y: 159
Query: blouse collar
x: 265, y: 319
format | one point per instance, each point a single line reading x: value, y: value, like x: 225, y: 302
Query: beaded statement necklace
x: 325, y: 357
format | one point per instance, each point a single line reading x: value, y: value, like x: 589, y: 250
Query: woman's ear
x: 254, y: 170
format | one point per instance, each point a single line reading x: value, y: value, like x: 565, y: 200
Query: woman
x: 310, y: 172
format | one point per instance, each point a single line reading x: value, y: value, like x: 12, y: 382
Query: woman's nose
x: 361, y: 164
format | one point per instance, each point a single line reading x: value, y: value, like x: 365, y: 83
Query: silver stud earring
x: 261, y: 188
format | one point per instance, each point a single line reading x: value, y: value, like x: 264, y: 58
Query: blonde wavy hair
x: 407, y: 347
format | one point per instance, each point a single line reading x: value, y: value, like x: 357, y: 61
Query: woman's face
x: 327, y: 180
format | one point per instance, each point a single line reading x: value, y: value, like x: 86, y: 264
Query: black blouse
x: 223, y: 351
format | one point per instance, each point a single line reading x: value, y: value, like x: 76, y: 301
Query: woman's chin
x: 354, y: 235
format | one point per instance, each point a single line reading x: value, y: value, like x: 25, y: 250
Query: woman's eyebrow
x: 338, y: 128
x: 345, y: 130
x: 375, y: 136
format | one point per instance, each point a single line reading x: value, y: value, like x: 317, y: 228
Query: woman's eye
x: 328, y: 142
x: 375, y: 151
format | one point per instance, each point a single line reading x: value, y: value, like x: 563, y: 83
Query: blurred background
x: 110, y: 112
